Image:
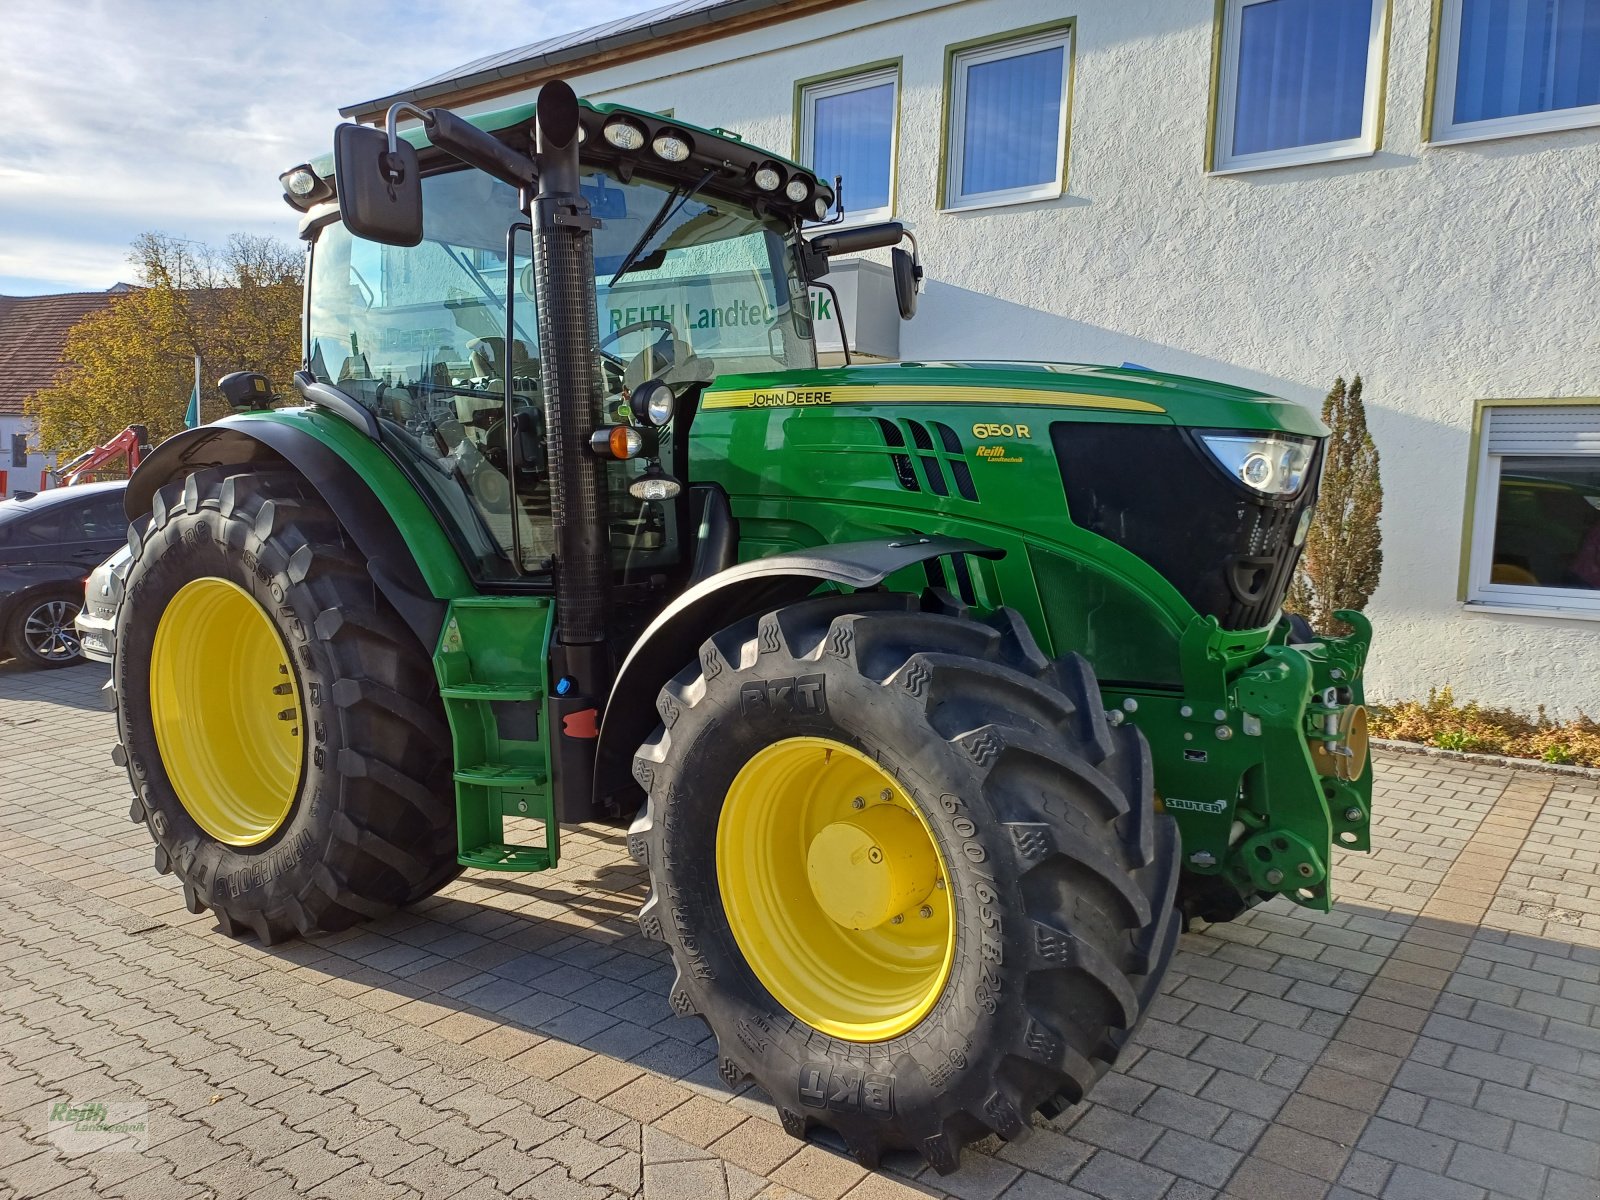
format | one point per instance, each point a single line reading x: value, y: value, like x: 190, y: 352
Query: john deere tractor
x: 940, y: 695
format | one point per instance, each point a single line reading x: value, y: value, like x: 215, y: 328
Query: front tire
x: 1058, y: 876
x: 280, y: 724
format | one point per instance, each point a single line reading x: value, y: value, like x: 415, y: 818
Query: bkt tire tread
x: 1070, y: 860
x: 374, y: 826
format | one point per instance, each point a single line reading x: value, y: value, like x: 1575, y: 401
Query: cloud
x: 124, y: 116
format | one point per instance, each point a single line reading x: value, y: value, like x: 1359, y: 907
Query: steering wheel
x: 637, y: 327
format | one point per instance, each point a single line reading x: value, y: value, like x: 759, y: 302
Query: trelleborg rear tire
x: 877, y: 746
x: 280, y: 724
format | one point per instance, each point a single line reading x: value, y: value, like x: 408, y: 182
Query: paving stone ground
x: 1435, y: 1037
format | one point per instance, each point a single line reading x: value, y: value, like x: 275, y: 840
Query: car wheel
x: 42, y: 633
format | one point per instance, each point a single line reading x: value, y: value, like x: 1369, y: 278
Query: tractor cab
x: 699, y: 269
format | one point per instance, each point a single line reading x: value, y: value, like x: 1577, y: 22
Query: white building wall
x: 1441, y: 274
x: 25, y: 478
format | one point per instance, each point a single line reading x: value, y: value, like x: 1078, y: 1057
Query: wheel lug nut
x: 939, y: 883
x: 925, y: 912
x: 858, y: 802
x: 885, y: 795
x: 896, y: 919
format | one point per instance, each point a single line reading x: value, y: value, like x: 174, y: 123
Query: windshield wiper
x: 675, y: 200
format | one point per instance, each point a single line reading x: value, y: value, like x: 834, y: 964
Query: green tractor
x: 945, y: 693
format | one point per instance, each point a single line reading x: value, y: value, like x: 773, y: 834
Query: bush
x: 1440, y: 721
x: 1343, y: 554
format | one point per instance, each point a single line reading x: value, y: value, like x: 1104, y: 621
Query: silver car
x: 97, y: 618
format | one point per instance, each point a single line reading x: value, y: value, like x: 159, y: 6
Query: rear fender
x: 358, y: 484
x: 674, y: 637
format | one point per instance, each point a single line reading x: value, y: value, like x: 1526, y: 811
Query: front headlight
x: 652, y: 401
x: 1272, y: 463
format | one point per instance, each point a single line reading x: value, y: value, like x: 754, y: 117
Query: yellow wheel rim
x: 835, y: 889
x: 226, y: 711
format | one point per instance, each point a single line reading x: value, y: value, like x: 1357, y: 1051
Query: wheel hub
x: 225, y: 709
x: 834, y: 889
x: 871, y: 867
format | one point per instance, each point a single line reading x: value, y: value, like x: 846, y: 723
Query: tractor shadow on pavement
x: 77, y: 687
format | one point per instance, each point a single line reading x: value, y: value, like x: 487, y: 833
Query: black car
x: 49, y: 542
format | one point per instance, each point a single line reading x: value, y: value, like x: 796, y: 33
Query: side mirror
x: 380, y: 194
x: 907, y: 276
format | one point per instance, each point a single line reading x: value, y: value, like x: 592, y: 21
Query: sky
x: 177, y: 116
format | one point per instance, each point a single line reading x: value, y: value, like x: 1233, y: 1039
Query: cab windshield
x: 418, y: 336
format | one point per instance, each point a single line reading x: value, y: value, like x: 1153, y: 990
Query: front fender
x: 408, y: 555
x: 674, y: 637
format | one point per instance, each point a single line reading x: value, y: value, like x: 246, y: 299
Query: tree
x: 1343, y: 554
x: 237, y: 307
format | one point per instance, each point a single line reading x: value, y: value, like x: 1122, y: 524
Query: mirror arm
x: 391, y: 121
x: 464, y: 141
x: 838, y: 317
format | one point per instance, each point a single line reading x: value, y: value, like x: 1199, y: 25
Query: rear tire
x: 371, y: 825
x: 1063, y: 874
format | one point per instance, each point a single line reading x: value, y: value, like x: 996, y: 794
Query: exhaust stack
x: 563, y: 251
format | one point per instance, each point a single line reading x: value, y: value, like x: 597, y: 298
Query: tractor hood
x: 1186, y: 401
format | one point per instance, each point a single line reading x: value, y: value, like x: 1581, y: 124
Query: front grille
x: 1156, y: 491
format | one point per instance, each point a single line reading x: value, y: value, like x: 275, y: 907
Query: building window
x: 1297, y: 81
x: 1009, y: 102
x: 847, y: 128
x: 1515, y: 66
x: 1534, y: 540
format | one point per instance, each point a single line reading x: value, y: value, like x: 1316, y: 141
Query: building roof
x: 33, y: 330
x: 626, y: 38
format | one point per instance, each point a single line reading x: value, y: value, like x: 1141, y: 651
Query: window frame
x: 1474, y: 590
x: 1439, y: 127
x: 837, y: 83
x: 1220, y: 159
x: 993, y: 48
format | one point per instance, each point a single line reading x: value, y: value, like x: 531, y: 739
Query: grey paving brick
x: 1240, y: 1131
x: 1231, y: 1056
x: 1530, y: 1107
x: 1504, y: 1174
x: 1564, y: 1185
x: 1578, y: 1155
x: 1113, y: 1177
x: 1193, y: 1158
x: 1410, y: 1183
x: 1113, y: 1130
x: 1496, y: 1067
x: 1440, y: 1084
x: 1467, y: 1125
x: 1122, y: 1092
x: 1178, y: 1110
x: 1166, y: 1070
x: 1403, y: 1143
x: 1365, y: 1174
x: 1463, y: 1033
x: 1250, y: 1095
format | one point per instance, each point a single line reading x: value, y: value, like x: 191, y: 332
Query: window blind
x: 1302, y: 73
x: 1526, y: 56
x: 1012, y: 123
x: 852, y: 136
x: 1543, y: 429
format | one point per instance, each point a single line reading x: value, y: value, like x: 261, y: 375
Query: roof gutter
x: 705, y: 24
